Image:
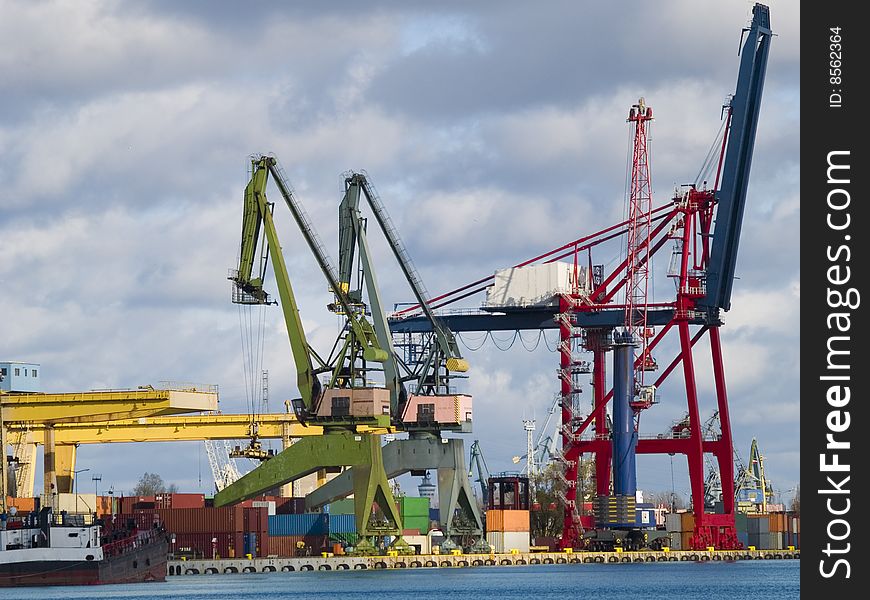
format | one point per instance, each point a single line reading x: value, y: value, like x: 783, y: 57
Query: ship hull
x: 145, y: 563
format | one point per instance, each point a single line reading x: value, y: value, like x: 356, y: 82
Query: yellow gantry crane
x: 49, y: 411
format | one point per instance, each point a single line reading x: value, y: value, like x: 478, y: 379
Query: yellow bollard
x: 456, y: 552
x: 791, y: 548
x: 751, y: 548
x: 392, y: 553
x: 618, y: 549
x: 514, y: 551
x: 666, y: 549
x: 711, y: 549
x: 569, y: 550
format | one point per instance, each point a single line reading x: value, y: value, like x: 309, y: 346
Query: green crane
x: 359, y: 344
x: 346, y: 407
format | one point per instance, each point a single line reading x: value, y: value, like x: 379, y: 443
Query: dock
x: 346, y: 563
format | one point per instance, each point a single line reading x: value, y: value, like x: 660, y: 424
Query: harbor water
x: 749, y: 580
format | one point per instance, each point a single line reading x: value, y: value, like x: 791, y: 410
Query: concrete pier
x: 339, y: 563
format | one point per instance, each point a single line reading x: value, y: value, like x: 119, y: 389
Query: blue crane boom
x: 731, y: 197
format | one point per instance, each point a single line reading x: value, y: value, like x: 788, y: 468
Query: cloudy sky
x: 493, y: 131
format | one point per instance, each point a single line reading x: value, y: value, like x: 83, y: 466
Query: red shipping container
x: 179, y: 501
x: 587, y: 521
x: 203, y: 545
x: 203, y: 520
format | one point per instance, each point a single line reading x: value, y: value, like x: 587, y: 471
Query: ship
x: 43, y: 548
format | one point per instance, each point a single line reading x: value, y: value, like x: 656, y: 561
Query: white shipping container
x: 676, y: 541
x: 505, y: 541
x: 267, y: 504
x: 71, y: 503
x: 534, y: 284
x: 673, y: 522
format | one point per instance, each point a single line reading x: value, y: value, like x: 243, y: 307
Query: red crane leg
x: 695, y: 454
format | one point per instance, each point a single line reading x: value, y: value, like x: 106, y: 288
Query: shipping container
x: 413, y: 507
x: 741, y: 522
x: 587, y: 521
x: 339, y: 523
x: 434, y: 514
x: 687, y: 521
x: 179, y: 501
x: 341, y: 507
x: 71, y: 503
x: 686, y: 540
x: 507, y: 520
x: 309, y: 524
x: 269, y: 505
x: 22, y: 505
x: 290, y: 506
x: 743, y: 538
x: 205, y: 545
x: 796, y: 525
x: 758, y: 524
x: 676, y: 540
x: 673, y: 522
x: 420, y: 523
x: 298, y: 545
x: 203, y: 520
x: 505, y: 541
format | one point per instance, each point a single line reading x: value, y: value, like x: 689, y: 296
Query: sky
x: 493, y: 131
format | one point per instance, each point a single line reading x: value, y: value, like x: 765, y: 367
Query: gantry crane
x: 703, y: 268
x: 347, y: 401
x: 51, y: 412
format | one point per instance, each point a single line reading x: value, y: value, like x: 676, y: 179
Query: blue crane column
x: 619, y: 509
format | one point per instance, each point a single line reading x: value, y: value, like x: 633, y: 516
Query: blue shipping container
x: 434, y: 514
x: 304, y: 524
x: 342, y: 524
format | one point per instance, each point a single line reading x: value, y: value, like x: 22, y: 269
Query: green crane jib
x: 360, y: 342
x: 436, y: 409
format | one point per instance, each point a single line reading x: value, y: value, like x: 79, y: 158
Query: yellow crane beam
x: 82, y: 407
x: 65, y: 437
x: 177, y: 428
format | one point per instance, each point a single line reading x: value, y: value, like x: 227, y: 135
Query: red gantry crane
x: 702, y: 225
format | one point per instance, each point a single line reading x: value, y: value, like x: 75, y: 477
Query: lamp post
x: 96, y: 478
x: 76, y: 485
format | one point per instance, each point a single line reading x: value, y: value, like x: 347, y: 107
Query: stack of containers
x: 674, y: 527
x: 741, y: 524
x: 415, y: 515
x: 342, y: 530
x: 778, y: 527
x: 687, y: 530
x: 200, y: 532
x: 507, y: 530
x: 759, y: 531
x: 290, y: 506
x: 285, y: 533
x: 256, y: 522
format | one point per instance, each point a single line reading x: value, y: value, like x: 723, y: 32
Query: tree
x: 151, y: 484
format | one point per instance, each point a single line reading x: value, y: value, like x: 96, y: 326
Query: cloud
x: 493, y: 132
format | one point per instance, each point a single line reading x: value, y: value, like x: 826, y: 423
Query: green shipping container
x: 341, y: 507
x: 414, y: 507
x: 421, y: 523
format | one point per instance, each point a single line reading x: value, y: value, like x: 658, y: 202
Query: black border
x: 826, y: 129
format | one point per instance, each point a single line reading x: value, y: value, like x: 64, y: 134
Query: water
x: 750, y: 580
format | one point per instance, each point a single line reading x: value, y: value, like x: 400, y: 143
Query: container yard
x: 389, y: 401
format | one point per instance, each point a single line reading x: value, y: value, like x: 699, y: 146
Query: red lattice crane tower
x: 638, y: 250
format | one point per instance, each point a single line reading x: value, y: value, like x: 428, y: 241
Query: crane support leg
x: 49, y: 461
x: 332, y: 450
x: 65, y: 465
x: 402, y: 456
